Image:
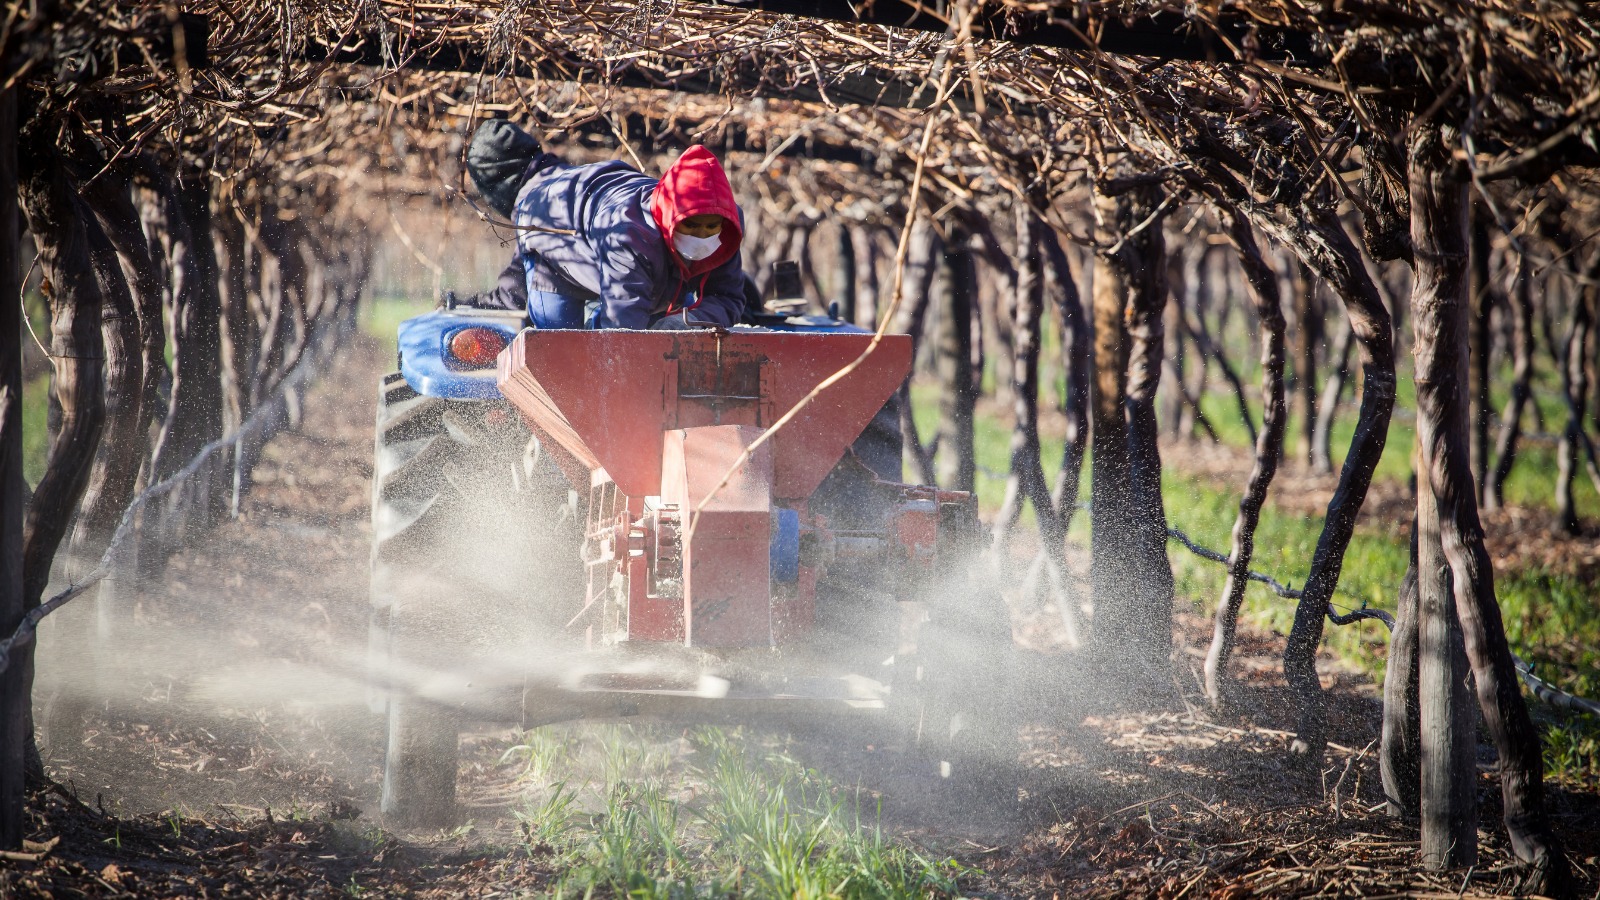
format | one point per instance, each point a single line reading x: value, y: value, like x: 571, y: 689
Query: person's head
x: 694, y: 209
x: 701, y: 226
x: 698, y: 237
x: 497, y: 159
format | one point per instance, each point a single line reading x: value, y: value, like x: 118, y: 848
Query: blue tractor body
x: 428, y: 365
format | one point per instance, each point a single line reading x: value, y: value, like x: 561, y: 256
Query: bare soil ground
x: 230, y: 753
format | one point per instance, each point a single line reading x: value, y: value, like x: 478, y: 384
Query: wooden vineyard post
x: 1448, y: 734
x: 1398, y: 761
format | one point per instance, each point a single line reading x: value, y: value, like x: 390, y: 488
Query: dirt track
x: 242, y: 677
x: 243, y: 707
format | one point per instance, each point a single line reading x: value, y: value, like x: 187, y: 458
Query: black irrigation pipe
x: 1542, y: 689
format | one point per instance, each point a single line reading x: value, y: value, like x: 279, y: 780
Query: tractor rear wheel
x: 958, y: 692
x: 465, y: 564
x: 957, y: 686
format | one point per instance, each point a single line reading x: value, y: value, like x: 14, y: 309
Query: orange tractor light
x: 477, y: 348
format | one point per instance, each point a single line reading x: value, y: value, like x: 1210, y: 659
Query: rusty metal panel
x: 794, y: 606
x: 810, y: 445
x: 604, y: 396
x: 598, y: 394
x: 719, y: 382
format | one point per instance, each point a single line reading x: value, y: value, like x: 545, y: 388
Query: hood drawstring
x: 672, y: 305
x: 701, y: 294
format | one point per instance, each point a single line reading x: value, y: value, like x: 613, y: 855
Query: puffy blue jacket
x: 594, y: 249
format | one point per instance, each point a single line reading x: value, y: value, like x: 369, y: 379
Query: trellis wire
x: 1544, y: 690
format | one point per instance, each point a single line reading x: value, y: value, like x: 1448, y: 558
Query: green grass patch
x: 381, y: 316
x: 1550, y: 619
x: 35, y: 394
x: 1374, y: 565
x: 733, y: 817
x: 35, y: 428
x: 992, y: 443
x: 1532, y: 481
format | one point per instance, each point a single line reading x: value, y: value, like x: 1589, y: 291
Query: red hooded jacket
x: 695, y: 185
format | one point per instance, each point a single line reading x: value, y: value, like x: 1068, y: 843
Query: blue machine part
x: 785, y: 546
x: 816, y: 324
x: 425, y: 360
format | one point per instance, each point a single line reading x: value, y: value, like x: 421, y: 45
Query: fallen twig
x: 31, y: 851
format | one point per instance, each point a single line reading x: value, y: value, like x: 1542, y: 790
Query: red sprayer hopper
x: 649, y: 423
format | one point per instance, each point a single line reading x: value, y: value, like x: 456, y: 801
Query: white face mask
x: 694, y: 248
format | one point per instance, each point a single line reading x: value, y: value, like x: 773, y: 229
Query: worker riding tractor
x: 576, y: 522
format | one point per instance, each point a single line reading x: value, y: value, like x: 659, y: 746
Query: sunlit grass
x: 1532, y: 481
x: 1550, y: 619
x: 35, y: 395
x: 732, y: 816
x: 381, y: 316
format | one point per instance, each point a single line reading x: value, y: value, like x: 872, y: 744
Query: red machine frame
x: 649, y: 423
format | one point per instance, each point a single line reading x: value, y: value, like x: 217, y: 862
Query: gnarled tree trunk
x: 1574, y: 448
x: 1179, y: 409
x: 17, y: 681
x: 1308, y: 336
x: 241, y: 346
x: 122, y: 445
x: 1197, y: 329
x: 1076, y: 359
x: 110, y: 197
x: 955, y: 289
x: 77, y: 390
x: 1438, y: 222
x: 76, y: 348
x: 1210, y: 280
x: 1328, y: 404
x: 1026, y: 482
x: 1269, y: 449
x: 922, y: 259
x: 1131, y: 573
x: 844, y: 278
x: 1321, y: 241
x: 1482, y: 297
x: 194, y: 416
